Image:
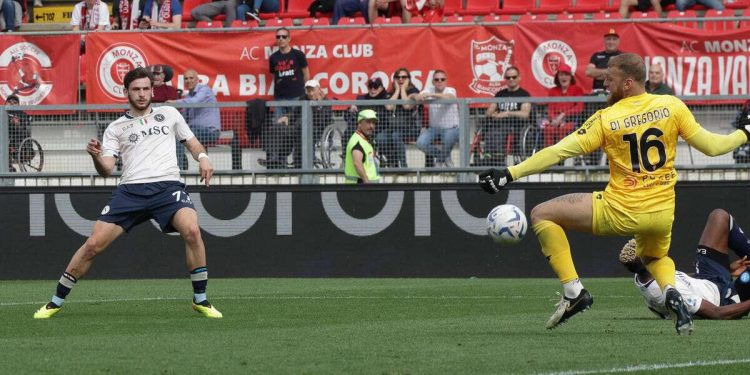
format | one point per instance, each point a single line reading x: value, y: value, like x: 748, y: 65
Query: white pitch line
x: 652, y: 367
x: 110, y: 300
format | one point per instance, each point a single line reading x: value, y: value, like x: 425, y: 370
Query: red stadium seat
x: 388, y: 21
x: 552, y: 6
x: 416, y: 20
x: 279, y: 22
x: 532, y: 18
x: 607, y: 16
x: 737, y: 4
x: 517, y: 6
x: 325, y: 21
x: 451, y: 7
x: 459, y: 19
x: 188, y: 6
x: 570, y: 17
x: 297, y: 9
x: 719, y: 25
x: 353, y: 21
x: 479, y: 7
x: 675, y: 15
x: 209, y: 25
x: 744, y: 24
x: 498, y: 18
x: 644, y: 15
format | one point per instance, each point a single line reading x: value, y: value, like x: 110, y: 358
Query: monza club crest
x: 26, y: 67
x: 114, y: 63
x: 547, y: 58
x: 489, y: 60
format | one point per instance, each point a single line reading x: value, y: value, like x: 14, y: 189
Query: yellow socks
x: 556, y: 248
x: 663, y: 271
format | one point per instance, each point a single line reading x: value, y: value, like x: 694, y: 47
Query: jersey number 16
x: 644, y: 145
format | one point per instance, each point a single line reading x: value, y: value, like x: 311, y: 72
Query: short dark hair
x: 631, y: 66
x: 440, y: 71
x: 512, y: 67
x: 572, y: 79
x: 137, y: 73
x: 283, y: 29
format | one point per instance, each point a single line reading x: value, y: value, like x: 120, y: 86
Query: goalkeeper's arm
x: 567, y: 147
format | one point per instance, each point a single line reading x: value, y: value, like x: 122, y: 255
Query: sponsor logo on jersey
x: 159, y: 117
x: 26, y: 68
x: 489, y: 61
x: 114, y: 63
x: 547, y: 58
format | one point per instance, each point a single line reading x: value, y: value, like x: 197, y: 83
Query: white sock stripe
x: 200, y: 276
x: 68, y: 283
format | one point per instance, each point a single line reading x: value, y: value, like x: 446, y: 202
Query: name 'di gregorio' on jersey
x: 640, y: 119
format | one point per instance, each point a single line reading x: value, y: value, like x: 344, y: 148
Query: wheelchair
x: 28, y: 156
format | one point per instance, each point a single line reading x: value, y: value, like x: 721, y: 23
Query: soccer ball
x: 506, y: 224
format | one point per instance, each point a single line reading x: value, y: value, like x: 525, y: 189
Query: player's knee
x: 538, y: 213
x: 92, y: 247
x: 718, y: 215
x: 192, y: 234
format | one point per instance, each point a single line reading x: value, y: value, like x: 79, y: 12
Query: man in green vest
x: 359, y: 165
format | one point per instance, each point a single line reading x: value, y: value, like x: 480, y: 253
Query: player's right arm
x: 104, y: 164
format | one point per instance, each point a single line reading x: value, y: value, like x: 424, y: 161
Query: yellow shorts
x: 652, y: 230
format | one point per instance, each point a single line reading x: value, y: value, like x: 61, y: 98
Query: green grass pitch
x: 354, y: 326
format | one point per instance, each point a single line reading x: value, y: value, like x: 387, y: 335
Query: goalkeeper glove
x: 744, y: 122
x: 493, y: 180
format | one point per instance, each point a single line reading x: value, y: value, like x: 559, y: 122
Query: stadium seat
x: 517, y: 6
x: 416, y: 20
x: 498, y: 18
x: 459, y: 19
x: 451, y: 7
x: 644, y: 15
x: 552, y: 6
x: 674, y: 17
x: 744, y: 24
x: 532, y: 18
x: 187, y: 7
x: 308, y: 21
x: 479, y: 7
x: 588, y: 6
x: 209, y: 25
x: 388, y: 21
x: 279, y: 22
x: 239, y: 23
x: 737, y: 4
x: 719, y: 25
x: 607, y: 16
x: 570, y: 17
x: 352, y: 21
x: 297, y: 9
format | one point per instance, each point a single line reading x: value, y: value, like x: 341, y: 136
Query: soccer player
x: 150, y: 188
x: 710, y: 292
x: 638, y: 132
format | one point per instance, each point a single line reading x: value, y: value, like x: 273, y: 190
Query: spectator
x: 429, y: 10
x: 405, y: 120
x: 655, y: 83
x: 349, y: 8
x: 682, y: 5
x: 161, y: 14
x: 126, y: 14
x: 505, y: 118
x: 205, y: 123
x: 284, y: 136
x: 443, y: 124
x: 644, y: 6
x: 562, y: 117
x: 13, y: 11
x: 359, y: 161
x: 90, y: 15
x: 163, y: 92
x: 375, y: 91
x: 253, y: 8
x: 206, y: 12
x: 385, y: 8
x: 597, y: 68
x: 290, y: 72
x: 19, y: 128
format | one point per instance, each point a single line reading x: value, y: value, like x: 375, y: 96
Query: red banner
x: 235, y: 64
x: 40, y: 69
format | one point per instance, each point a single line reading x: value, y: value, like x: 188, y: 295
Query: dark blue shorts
x: 132, y: 204
x: 713, y: 271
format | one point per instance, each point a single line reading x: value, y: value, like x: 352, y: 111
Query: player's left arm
x: 711, y: 144
x: 708, y: 310
x: 199, y: 154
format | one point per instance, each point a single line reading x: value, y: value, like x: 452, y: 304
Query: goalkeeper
x: 638, y: 132
x: 710, y: 293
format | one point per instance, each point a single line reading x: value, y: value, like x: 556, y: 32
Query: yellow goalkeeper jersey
x: 639, y: 135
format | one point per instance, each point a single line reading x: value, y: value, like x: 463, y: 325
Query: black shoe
x: 567, y: 307
x: 683, y: 322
